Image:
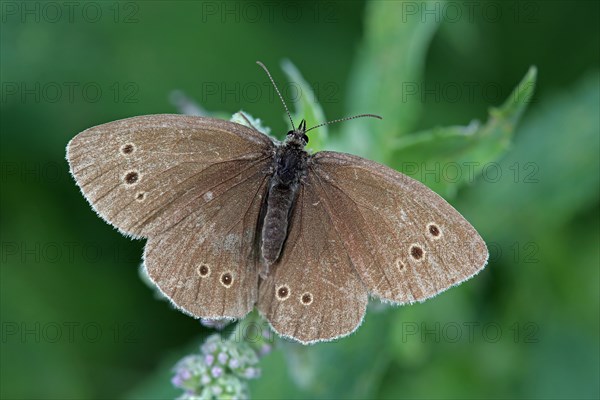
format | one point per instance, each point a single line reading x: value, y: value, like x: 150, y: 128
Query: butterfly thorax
x: 290, y: 166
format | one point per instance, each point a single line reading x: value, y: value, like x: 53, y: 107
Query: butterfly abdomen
x: 275, y: 227
x: 290, y: 166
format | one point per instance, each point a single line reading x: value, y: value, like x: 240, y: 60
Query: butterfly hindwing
x: 208, y: 263
x: 313, y: 292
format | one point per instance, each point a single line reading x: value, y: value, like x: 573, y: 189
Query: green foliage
x: 392, y: 54
x: 62, y: 265
x: 458, y: 154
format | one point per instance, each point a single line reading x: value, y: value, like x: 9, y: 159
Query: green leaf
x: 552, y: 172
x: 390, y: 60
x: 445, y: 158
x: 307, y: 107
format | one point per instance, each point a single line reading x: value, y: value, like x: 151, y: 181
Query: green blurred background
x: 77, y: 320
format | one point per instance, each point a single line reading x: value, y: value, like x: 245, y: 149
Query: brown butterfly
x: 235, y: 219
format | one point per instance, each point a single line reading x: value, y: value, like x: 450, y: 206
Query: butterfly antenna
x: 279, y: 94
x: 344, y: 119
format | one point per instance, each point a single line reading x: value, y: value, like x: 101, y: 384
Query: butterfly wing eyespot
x: 131, y: 178
x: 400, y: 264
x: 282, y: 292
x: 226, y: 279
x: 127, y: 149
x: 140, y: 196
x: 434, y: 231
x: 320, y: 281
x: 203, y: 270
x: 405, y: 241
x: 306, y: 299
x: 416, y: 252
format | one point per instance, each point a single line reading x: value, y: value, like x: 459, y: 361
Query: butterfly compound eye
x: 305, y: 138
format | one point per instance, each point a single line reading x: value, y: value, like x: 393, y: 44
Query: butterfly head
x: 298, y: 136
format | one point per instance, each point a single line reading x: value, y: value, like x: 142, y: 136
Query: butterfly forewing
x: 313, y: 293
x: 144, y: 174
x: 405, y: 241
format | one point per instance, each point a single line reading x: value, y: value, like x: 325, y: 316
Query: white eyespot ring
x: 203, y: 270
x: 140, y: 196
x: 282, y: 292
x: 226, y: 279
x: 400, y: 264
